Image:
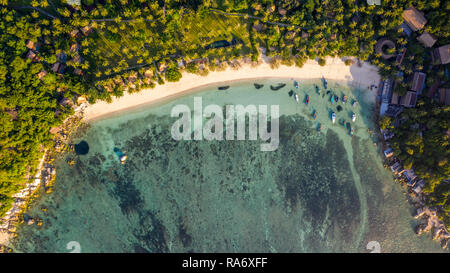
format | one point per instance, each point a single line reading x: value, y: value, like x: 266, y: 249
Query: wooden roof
x: 427, y: 39
x: 414, y: 18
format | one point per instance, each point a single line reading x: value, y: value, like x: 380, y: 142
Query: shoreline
x: 363, y: 77
x: 335, y: 69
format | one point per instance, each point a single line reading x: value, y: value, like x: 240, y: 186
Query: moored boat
x: 296, y: 84
x: 307, y: 99
x: 296, y: 97
x: 333, y: 117
x: 353, y: 117
x: 314, y: 115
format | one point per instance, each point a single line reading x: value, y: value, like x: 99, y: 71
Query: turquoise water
x: 318, y: 192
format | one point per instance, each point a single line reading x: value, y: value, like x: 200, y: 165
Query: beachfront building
x: 410, y: 175
x: 414, y: 18
x: 373, y: 2
x: 441, y: 55
x: 427, y: 39
x: 397, y: 168
x: 419, y: 186
x: 418, y: 82
x: 409, y: 100
x: 388, y: 152
x: 386, y: 94
x: 444, y: 96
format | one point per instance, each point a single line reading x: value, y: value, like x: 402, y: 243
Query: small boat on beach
x: 278, y: 87
x: 258, y: 86
x: 353, y: 117
x: 324, y: 82
x: 333, y: 117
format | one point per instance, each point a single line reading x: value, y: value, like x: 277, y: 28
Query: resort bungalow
x: 395, y: 98
x: 373, y: 2
x: 75, y: 33
x: 66, y: 102
x: 388, y: 152
x: 427, y: 39
x: 386, y: 94
x: 414, y: 18
x: 33, y: 46
x: 419, y: 186
x: 58, y: 68
x: 441, y: 55
x: 31, y: 55
x: 42, y: 74
x: 418, y: 82
x: 75, y: 47
x: 444, y: 96
x: 410, y: 175
x: 409, y: 100
x: 397, y: 168
x: 86, y: 30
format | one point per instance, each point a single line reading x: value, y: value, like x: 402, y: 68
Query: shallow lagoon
x: 318, y: 192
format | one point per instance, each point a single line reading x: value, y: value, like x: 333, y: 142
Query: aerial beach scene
x: 357, y: 102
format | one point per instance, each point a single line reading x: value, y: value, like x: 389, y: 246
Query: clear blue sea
x: 318, y: 192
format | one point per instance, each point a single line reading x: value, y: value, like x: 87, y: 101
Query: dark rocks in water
x: 291, y: 93
x: 339, y: 108
x: 276, y: 88
x: 82, y: 148
x: 224, y: 87
x: 328, y: 92
x: 258, y: 86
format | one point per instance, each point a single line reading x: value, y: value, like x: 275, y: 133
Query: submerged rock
x: 82, y: 148
x: 258, y: 86
x: 278, y: 87
x: 223, y: 87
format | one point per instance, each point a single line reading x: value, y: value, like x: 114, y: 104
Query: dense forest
x: 55, y: 51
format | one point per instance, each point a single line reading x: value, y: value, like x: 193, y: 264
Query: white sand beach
x: 335, y: 69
